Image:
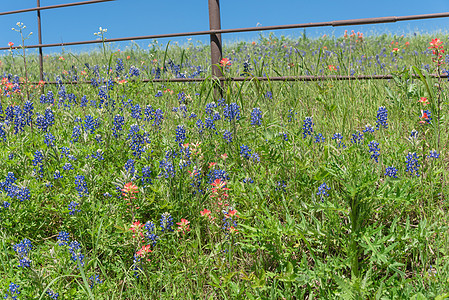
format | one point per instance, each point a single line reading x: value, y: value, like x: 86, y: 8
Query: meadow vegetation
x: 125, y: 189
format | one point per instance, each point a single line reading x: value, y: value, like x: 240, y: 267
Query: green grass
x: 372, y: 237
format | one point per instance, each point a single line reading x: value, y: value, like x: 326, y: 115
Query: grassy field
x: 122, y: 189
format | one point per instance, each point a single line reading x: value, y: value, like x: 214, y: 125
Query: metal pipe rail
x: 249, y: 29
x: 249, y: 78
x: 39, y: 8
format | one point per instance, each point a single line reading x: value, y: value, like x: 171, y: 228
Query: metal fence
x: 215, y: 32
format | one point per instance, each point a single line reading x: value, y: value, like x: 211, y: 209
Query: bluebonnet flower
x: 22, y: 249
x: 227, y: 136
x: 433, y: 154
x: 192, y: 116
x: 118, y: 123
x: 2, y: 132
x: 414, y: 134
x: 146, y: 176
x: 231, y: 112
x: 94, y: 280
x: 412, y: 164
x: 245, y: 151
x: 256, y: 117
x: 150, y: 233
x: 98, y: 138
x: 255, y: 157
x: 28, y: 112
x: 19, y: 119
x: 248, y: 180
x: 291, y: 115
x: 6, y: 204
x: 368, y: 128
x: 76, y: 133
x: 11, y: 156
x: 52, y: 294
x: 137, y: 266
x: 98, y: 155
x: 337, y: 136
x: 73, y: 208
x: 137, y: 140
x: 180, y: 134
x: 133, y: 71
x: 57, y: 175
x: 43, y: 122
x: 23, y: 194
x: 200, y: 125
x: 391, y: 172
x: 84, y: 101
x: 136, y: 112
x: 374, y: 150
x: 129, y: 167
x: 216, y: 117
x: 357, y: 137
x: 167, y: 167
x: 221, y: 101
x: 247, y: 69
x: 47, y: 99
x: 269, y: 95
x: 9, y: 113
x: 319, y: 138
x: 81, y: 186
x: 322, y: 191
x: 49, y: 139
x: 210, y: 108
x: 75, y: 251
x: 217, y: 174
x: 158, y: 117
x: 63, y: 238
x: 166, y: 222
x: 210, y: 124
x: 37, y: 160
x: 307, y: 127
x: 281, y: 186
x: 284, y: 136
x: 12, y: 291
x: 382, y: 116
x: 158, y: 94
x: 10, y: 178
x: 91, y: 124
x: 119, y: 67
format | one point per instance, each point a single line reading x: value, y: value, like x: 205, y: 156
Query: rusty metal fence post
x: 216, y: 52
x: 39, y: 33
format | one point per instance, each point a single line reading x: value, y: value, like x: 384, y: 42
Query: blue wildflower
x: 374, y: 150
x: 256, y: 117
x: 166, y: 222
x: 412, y: 164
x: 322, y: 191
x: 391, y: 172
x: 307, y: 127
x: 382, y: 117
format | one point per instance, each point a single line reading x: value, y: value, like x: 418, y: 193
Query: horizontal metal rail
x: 248, y: 78
x: 51, y: 7
x: 248, y: 29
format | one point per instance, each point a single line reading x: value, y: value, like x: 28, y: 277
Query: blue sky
x: 144, y: 17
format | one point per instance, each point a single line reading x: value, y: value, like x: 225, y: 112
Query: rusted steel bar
x: 216, y: 52
x: 38, y: 8
x: 277, y: 78
x: 39, y: 33
x: 247, y: 29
